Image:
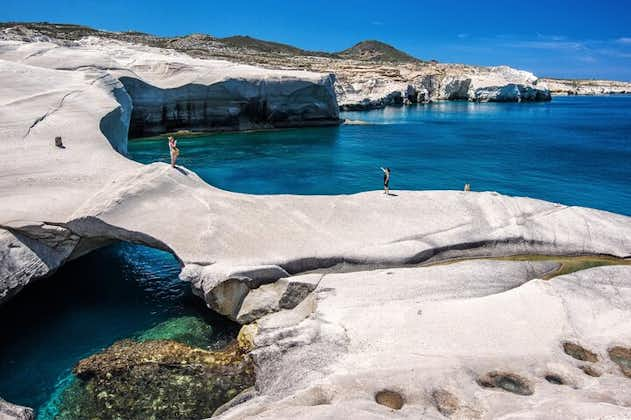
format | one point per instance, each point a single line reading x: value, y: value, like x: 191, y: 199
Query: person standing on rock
x: 173, y: 150
x: 386, y: 180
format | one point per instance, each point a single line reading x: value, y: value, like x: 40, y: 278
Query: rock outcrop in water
x: 369, y: 75
x: 155, y: 379
x: 338, y: 308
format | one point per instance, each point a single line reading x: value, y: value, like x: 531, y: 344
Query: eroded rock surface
x: 10, y: 411
x: 369, y: 75
x: 359, y: 339
x: 326, y: 344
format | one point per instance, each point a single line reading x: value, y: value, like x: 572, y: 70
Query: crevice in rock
x: 507, y: 381
x: 49, y: 112
x: 554, y: 379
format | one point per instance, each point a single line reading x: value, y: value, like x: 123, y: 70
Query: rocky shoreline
x: 384, y: 336
x: 564, y: 87
x: 367, y: 76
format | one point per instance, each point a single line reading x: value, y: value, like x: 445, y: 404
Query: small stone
x: 579, y: 352
x: 390, y: 399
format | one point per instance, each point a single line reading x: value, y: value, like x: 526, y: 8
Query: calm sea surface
x: 573, y: 150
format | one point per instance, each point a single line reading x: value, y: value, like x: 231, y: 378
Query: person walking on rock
x: 386, y: 180
x: 173, y: 150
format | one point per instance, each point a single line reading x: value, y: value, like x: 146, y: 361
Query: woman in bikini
x: 173, y: 150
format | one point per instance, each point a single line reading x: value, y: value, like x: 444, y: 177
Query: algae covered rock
x: 189, y: 330
x: 155, y: 379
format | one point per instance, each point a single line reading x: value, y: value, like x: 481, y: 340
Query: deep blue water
x: 88, y: 304
x: 573, y: 150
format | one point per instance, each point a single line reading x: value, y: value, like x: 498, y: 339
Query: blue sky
x: 584, y: 39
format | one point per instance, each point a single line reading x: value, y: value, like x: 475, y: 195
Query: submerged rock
x: 155, y: 379
x: 186, y: 329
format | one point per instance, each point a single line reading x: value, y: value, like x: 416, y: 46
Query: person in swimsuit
x: 386, y: 180
x: 173, y: 150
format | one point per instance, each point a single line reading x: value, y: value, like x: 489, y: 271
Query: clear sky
x: 578, y: 38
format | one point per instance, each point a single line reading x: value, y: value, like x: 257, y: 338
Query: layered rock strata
x: 470, y: 340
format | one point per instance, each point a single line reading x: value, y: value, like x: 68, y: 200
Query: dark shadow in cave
x: 112, y: 293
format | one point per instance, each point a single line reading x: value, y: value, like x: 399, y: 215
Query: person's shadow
x: 392, y: 194
x: 180, y: 170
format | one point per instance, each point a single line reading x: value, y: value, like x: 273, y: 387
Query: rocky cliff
x: 585, y: 87
x: 166, y: 91
x: 368, y: 75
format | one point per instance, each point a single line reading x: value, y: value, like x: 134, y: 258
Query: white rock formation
x: 379, y: 86
x: 171, y: 91
x: 585, y: 87
x: 435, y: 335
x: 10, y: 411
x: 354, y: 332
x: 362, y: 83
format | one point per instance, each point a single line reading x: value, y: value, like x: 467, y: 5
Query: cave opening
x: 116, y: 292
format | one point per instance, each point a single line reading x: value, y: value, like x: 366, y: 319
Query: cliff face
x: 230, y: 105
x: 585, y: 87
x: 378, y: 86
x: 369, y: 75
x: 168, y: 91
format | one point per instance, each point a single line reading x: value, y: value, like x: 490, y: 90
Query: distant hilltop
x: 370, y: 74
x: 198, y: 44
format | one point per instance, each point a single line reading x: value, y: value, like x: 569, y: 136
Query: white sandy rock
x: 417, y: 339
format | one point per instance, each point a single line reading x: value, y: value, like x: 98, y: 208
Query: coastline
x: 316, y: 338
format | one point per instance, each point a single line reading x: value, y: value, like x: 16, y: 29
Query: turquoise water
x: 88, y: 304
x: 573, y: 150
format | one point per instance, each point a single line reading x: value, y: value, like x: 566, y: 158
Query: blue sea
x: 110, y: 294
x: 574, y: 150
